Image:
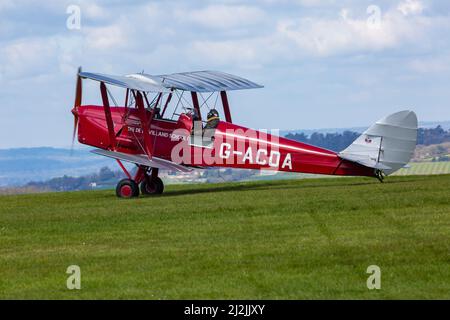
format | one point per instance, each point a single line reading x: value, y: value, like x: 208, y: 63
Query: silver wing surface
x: 133, y: 82
x: 143, y: 160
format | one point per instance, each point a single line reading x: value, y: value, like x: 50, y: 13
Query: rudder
x: 388, y: 145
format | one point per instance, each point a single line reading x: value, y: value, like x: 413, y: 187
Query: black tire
x: 127, y: 189
x: 152, y: 186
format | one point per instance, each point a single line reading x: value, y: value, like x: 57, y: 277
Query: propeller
x: 77, y: 104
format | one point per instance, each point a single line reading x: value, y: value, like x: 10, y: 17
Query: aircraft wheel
x: 127, y: 189
x: 152, y: 186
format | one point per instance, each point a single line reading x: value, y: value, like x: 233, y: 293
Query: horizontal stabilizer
x: 365, y: 161
x: 143, y: 160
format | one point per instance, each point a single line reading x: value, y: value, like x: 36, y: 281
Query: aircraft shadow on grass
x: 262, y: 187
x: 276, y: 185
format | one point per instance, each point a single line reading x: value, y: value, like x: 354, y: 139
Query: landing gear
x: 152, y: 186
x: 380, y: 175
x: 127, y: 189
x: 150, y: 183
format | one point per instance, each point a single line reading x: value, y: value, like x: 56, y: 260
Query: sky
x: 324, y: 63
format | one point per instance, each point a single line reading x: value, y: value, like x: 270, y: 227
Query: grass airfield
x: 290, y: 239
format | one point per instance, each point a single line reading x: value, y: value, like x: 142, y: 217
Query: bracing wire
x: 205, y: 102
x: 215, y: 102
x: 178, y: 103
x: 187, y: 102
x: 111, y: 96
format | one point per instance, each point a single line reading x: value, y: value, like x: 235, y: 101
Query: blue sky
x: 324, y: 63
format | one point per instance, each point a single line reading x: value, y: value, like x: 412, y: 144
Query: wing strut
x: 108, y: 117
x: 226, y: 106
x: 145, y: 123
x: 169, y: 98
x: 158, y: 100
x: 124, y: 169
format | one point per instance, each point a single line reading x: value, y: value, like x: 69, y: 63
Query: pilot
x: 211, y: 124
x: 213, y: 119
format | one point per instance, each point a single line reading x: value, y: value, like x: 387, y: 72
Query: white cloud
x: 112, y: 37
x: 315, y: 3
x: 344, y: 34
x: 223, y: 16
x: 242, y: 53
x: 27, y: 57
x: 411, y: 7
x: 94, y: 11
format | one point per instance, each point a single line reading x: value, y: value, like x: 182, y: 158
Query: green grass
x: 425, y: 168
x: 308, y: 239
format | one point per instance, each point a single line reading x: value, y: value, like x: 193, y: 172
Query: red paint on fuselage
x: 233, y: 147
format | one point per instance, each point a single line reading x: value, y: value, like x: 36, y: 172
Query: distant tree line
x: 339, y: 141
x: 105, y: 178
x: 437, y: 135
x: 331, y: 141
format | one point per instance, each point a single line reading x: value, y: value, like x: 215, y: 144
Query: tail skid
x: 387, y: 146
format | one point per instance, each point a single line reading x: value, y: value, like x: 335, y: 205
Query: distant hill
x: 435, y: 152
x: 19, y: 166
x: 423, y: 124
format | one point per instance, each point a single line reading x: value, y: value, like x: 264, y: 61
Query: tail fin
x: 388, y: 145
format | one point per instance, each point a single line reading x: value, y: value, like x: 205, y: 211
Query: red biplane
x: 162, y: 125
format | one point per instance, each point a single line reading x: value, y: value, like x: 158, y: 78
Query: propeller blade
x: 77, y: 104
x: 78, y: 91
x: 75, y: 128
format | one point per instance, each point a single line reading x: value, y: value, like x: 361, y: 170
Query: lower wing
x: 143, y: 160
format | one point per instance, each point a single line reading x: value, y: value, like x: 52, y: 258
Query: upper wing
x: 133, y: 82
x: 205, y: 81
x: 197, y: 81
x: 143, y: 160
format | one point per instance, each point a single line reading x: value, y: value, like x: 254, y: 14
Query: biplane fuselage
x: 233, y: 146
x: 140, y: 133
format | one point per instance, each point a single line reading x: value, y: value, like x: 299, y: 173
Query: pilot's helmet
x: 213, y: 113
